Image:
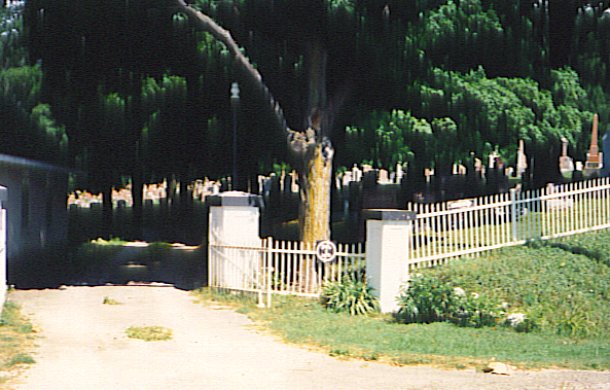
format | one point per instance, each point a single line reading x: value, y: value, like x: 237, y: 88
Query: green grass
x: 564, y: 292
x: 20, y: 358
x: 564, y: 285
x: 594, y: 245
x: 149, y: 333
x: 16, y: 340
x: 378, y: 337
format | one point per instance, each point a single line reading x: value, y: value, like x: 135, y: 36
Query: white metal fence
x: 441, y: 231
x: 470, y: 226
x: 280, y: 267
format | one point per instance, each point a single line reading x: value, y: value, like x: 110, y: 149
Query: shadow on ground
x: 92, y: 264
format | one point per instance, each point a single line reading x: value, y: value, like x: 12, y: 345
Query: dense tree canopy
x: 27, y: 125
x: 402, y: 77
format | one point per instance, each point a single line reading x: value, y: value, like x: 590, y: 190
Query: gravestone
x: 521, y: 159
x: 356, y: 173
x: 347, y: 178
x: 294, y: 188
x: 594, y: 158
x: 566, y: 163
x: 383, y: 177
x: 492, y: 159
x: 399, y: 173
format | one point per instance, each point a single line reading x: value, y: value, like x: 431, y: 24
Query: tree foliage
x: 27, y: 125
x: 426, y: 82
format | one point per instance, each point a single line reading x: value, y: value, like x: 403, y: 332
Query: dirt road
x: 83, y: 346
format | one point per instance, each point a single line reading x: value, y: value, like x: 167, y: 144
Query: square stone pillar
x: 234, y: 218
x: 233, y: 224
x: 388, y: 237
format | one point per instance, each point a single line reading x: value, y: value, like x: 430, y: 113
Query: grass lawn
x: 563, y: 285
x: 378, y: 337
x: 16, y: 340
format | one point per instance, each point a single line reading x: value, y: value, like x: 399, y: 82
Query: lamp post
x: 234, y: 106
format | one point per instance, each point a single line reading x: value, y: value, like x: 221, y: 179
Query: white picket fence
x: 443, y: 231
x: 280, y: 267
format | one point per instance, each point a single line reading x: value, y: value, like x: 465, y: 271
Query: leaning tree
x: 310, y: 148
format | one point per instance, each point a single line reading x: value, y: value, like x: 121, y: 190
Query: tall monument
x: 594, y: 158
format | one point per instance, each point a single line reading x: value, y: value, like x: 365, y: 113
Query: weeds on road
x: 110, y: 301
x: 16, y: 340
x: 149, y: 333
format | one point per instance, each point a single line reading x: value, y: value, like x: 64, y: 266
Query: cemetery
x: 373, y: 168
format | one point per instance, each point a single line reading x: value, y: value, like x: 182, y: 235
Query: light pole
x: 234, y: 106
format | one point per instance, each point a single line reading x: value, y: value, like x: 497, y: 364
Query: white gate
x: 280, y: 267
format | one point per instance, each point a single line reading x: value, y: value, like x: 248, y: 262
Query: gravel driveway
x: 83, y: 345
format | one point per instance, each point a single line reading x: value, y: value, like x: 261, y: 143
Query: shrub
x: 428, y: 299
x: 559, y: 292
x: 349, y: 295
x: 476, y: 311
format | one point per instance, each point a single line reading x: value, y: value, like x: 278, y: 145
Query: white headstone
x: 356, y: 173
x: 383, y: 177
x: 399, y: 172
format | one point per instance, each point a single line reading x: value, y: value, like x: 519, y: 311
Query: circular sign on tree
x: 326, y: 251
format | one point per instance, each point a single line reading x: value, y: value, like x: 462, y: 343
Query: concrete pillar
x: 234, y: 218
x: 388, y: 237
x: 233, y: 222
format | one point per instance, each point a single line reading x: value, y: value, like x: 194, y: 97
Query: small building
x: 3, y: 198
x: 34, y: 197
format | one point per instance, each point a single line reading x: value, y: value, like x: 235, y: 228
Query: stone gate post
x: 388, y: 237
x: 233, y: 222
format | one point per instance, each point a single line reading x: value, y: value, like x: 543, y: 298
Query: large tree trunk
x: 315, y: 194
x: 314, y: 213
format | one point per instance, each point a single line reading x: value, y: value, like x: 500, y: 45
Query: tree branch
x: 205, y: 23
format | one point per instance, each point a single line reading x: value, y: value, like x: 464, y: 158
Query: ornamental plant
x: 350, y: 295
x: 428, y: 299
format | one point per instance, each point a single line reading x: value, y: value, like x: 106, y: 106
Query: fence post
x: 233, y: 221
x: 388, y: 237
x: 513, y: 212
